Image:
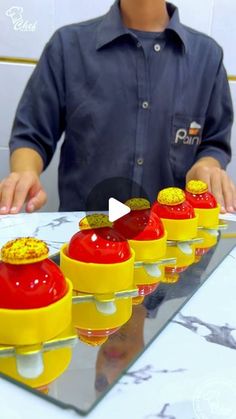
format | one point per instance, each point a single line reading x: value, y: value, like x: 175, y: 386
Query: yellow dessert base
x: 55, y: 363
x: 208, y: 240
x: 182, y: 259
x: 141, y: 277
x: 86, y: 316
x: 97, y: 278
x: 181, y: 229
x: 208, y: 218
x: 34, y: 326
x: 149, y: 250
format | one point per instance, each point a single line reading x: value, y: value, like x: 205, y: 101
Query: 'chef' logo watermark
x: 215, y: 398
x: 15, y: 13
x: 189, y: 136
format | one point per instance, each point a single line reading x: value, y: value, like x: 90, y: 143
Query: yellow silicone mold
x: 209, y: 240
x: 141, y: 277
x: 182, y: 259
x: 32, y: 326
x: 55, y: 363
x: 96, y: 278
x: 149, y: 250
x: 208, y: 217
x: 86, y: 316
x: 181, y: 229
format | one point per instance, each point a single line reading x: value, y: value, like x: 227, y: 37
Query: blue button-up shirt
x: 123, y: 113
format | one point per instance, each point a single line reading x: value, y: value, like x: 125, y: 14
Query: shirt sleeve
x: 40, y: 116
x: 219, y: 120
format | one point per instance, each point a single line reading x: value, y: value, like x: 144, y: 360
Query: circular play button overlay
x: 125, y: 203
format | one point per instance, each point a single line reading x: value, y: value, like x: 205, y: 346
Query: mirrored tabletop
x: 80, y: 374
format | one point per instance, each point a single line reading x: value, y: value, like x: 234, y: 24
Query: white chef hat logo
x: 15, y: 13
x: 194, y: 128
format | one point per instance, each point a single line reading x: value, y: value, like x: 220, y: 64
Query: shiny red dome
x: 30, y: 286
x: 99, y: 245
x: 140, y: 225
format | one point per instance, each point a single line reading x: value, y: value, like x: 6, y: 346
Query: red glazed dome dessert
x: 177, y: 214
x: 204, y: 203
x: 198, y: 196
x: 35, y: 298
x: 147, y: 236
x: 28, y: 279
x: 140, y: 224
x: 171, y: 203
x: 100, y: 264
x: 98, y: 242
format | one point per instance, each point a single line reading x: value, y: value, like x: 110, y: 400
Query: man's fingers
x: 218, y: 186
x: 7, y: 190
x: 21, y: 192
x: 19, y: 188
x: 228, y: 192
x: 231, y: 196
x: 37, y: 201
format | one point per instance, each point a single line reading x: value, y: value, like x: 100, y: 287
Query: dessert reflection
x: 120, y: 349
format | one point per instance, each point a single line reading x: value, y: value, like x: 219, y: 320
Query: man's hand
x: 20, y: 188
x: 219, y: 183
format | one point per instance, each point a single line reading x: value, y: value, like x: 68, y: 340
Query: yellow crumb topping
x: 136, y: 204
x: 196, y: 186
x: 171, y: 196
x: 24, y: 250
x: 94, y: 221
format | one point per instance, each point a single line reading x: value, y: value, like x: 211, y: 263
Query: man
x: 138, y: 96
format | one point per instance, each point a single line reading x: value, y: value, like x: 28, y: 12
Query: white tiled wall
x: 26, y: 25
x: 13, y: 78
x: 196, y: 14
x: 224, y: 30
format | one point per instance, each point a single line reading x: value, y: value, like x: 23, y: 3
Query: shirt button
x: 157, y: 47
x: 140, y: 161
x: 145, y: 105
x: 139, y: 44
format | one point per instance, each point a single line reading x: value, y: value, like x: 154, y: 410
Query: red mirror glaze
x: 31, y: 286
x: 99, y: 245
x: 202, y: 200
x: 146, y: 289
x: 175, y: 212
x: 140, y: 225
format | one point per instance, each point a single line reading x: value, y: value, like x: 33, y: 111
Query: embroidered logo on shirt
x: 189, y: 136
x: 15, y: 13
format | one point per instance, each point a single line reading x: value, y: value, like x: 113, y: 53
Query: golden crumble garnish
x: 94, y: 221
x: 24, y: 250
x: 136, y: 204
x: 196, y: 186
x: 171, y: 196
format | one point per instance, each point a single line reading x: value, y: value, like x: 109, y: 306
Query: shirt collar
x: 112, y: 26
x: 175, y: 25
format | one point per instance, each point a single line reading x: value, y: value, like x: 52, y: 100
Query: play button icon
x: 117, y: 209
x: 110, y: 196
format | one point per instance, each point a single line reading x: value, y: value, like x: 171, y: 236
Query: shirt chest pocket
x: 186, y: 136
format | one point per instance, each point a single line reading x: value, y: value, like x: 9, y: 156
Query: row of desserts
x: 109, y: 267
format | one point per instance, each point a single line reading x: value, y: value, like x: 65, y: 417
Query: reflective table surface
x: 94, y: 370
